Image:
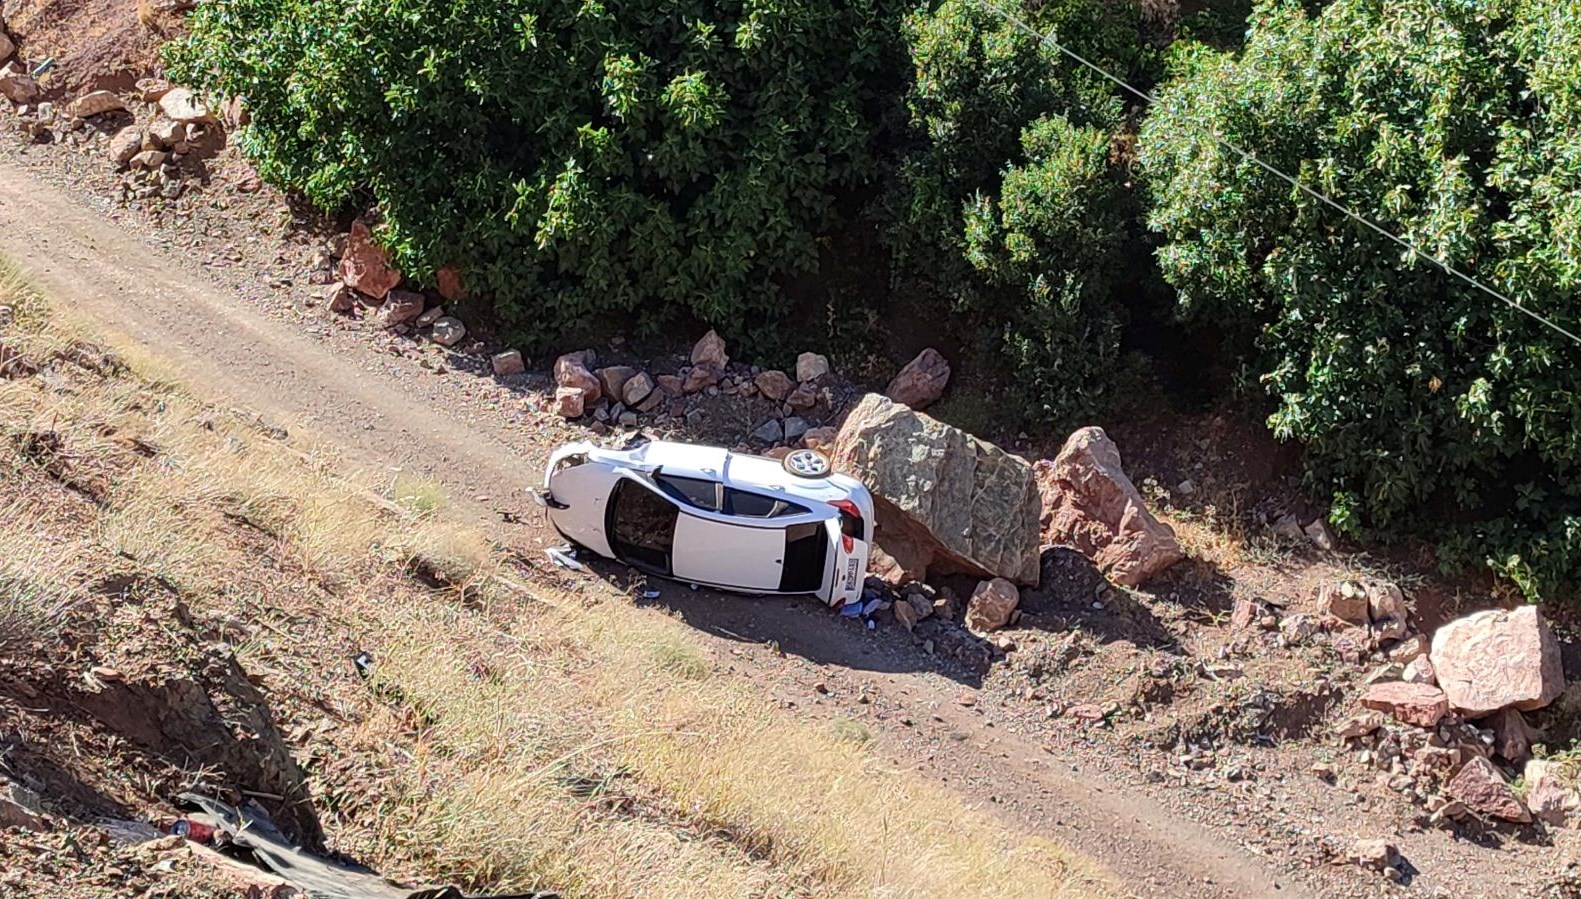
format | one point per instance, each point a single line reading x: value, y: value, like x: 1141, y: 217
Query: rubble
x: 1418, y: 704
x: 1549, y: 797
x: 1483, y: 790
x: 946, y: 501
x: 508, y: 363
x: 922, y: 381
x: 1090, y: 505
x: 991, y: 605
x: 365, y: 266
x: 811, y: 367
x: 1496, y: 659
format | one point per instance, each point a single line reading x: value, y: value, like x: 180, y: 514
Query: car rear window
x: 694, y: 492
x: 756, y: 505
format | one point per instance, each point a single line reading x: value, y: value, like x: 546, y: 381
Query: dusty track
x: 385, y: 412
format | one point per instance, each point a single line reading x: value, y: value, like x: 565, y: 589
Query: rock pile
x: 1446, y: 727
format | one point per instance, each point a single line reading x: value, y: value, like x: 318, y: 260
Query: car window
x: 694, y: 492
x: 756, y: 505
x: 643, y: 527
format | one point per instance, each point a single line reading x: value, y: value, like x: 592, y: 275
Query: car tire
x: 808, y: 463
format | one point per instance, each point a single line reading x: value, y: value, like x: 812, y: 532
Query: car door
x: 714, y: 551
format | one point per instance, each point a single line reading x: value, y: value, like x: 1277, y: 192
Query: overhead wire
x: 1291, y: 180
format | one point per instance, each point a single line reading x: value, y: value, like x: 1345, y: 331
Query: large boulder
x: 1497, y: 659
x: 922, y: 381
x: 946, y: 501
x: 1090, y: 505
x: 365, y: 266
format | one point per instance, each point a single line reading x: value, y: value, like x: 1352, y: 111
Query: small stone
x: 508, y: 363
x: 400, y: 307
x: 1346, y: 600
x: 710, y: 352
x: 449, y: 331
x: 811, y: 367
x: 638, y: 389
x: 774, y: 385
x: 1375, y: 855
x: 95, y: 103
x: 612, y: 379
x: 1419, y: 704
x: 1320, y: 536
x: 991, y: 605
x: 569, y: 402
x: 1483, y: 789
x: 795, y: 429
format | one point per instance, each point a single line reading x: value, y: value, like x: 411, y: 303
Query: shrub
x: 573, y: 159
x: 1009, y: 204
x: 1422, y: 401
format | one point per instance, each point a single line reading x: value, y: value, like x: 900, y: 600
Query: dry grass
x: 509, y: 705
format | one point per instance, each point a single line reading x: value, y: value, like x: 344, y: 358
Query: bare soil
x: 1197, y: 779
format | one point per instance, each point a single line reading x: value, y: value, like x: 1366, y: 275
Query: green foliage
x: 1009, y: 203
x: 1422, y: 401
x: 574, y: 160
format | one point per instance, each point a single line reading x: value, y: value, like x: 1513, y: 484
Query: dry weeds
x: 547, y: 738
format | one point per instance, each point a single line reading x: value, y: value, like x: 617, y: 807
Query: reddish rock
x: 922, y: 381
x: 95, y: 103
x: 1420, y: 704
x: 991, y: 605
x: 1090, y: 505
x: 570, y: 402
x: 450, y: 285
x: 1346, y: 600
x: 1497, y: 659
x: 1419, y: 671
x: 805, y: 396
x: 570, y: 370
x: 637, y: 389
x: 1510, y: 738
x: 341, y: 298
x: 699, y: 378
x: 710, y: 352
x: 1482, y: 788
x: 819, y: 438
x: 1549, y: 797
x: 612, y: 379
x: 365, y: 266
x: 774, y: 385
x: 811, y: 367
x: 18, y: 87
x: 125, y: 145
x: 508, y: 363
x: 400, y: 307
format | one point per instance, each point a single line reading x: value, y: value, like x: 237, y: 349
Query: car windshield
x: 643, y: 527
x: 694, y: 492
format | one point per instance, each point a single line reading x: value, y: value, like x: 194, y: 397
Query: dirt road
x: 387, y: 412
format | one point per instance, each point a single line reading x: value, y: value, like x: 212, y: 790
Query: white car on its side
x: 708, y: 516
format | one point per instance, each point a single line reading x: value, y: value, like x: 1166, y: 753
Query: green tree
x: 574, y: 160
x: 1008, y: 202
x: 1421, y: 400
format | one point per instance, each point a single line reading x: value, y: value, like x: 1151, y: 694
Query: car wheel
x: 807, y: 463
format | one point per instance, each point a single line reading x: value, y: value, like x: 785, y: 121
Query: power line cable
x: 1247, y: 156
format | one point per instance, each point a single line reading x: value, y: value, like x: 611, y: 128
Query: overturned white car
x: 708, y: 516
